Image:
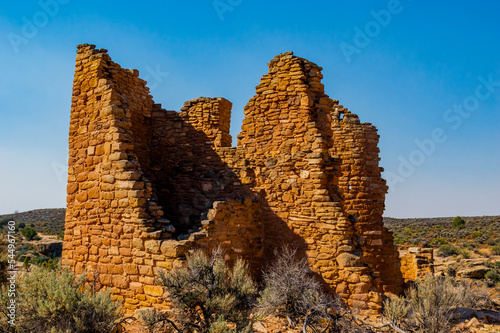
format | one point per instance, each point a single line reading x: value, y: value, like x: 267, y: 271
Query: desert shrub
x: 425, y: 243
x: 398, y: 240
x: 471, y: 295
x: 396, y: 310
x: 439, y: 241
x: 495, y: 250
x: 207, y: 290
x: 482, y: 239
x: 54, y: 301
x: 45, y: 262
x: 29, y: 233
x: 153, y: 319
x: 465, y: 253
x: 451, y: 271
x: 220, y: 326
x: 291, y: 291
x: 60, y: 234
x: 431, y: 305
x: 493, y: 276
x: 468, y: 245
x: 476, y: 234
x: 458, y: 223
x: 492, y: 242
x: 24, y: 249
x: 432, y: 301
x: 447, y: 250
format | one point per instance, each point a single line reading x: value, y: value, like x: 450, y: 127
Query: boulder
x: 47, y: 248
x: 476, y: 272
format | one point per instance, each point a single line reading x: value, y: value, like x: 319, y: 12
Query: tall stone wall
x: 146, y: 186
x: 318, y: 167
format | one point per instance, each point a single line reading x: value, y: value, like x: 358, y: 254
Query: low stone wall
x: 416, y: 263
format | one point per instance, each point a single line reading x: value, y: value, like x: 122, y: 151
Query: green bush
x: 447, y: 250
x: 207, y: 292
x: 439, y: 241
x: 29, y: 233
x: 458, y: 223
x: 54, y: 301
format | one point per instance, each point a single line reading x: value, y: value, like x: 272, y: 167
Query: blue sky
x: 412, y: 68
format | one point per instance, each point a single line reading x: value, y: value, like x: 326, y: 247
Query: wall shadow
x: 189, y: 174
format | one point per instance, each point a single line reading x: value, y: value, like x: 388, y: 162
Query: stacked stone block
x: 417, y: 263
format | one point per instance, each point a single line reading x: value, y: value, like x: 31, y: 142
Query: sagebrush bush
x: 431, y: 305
x: 492, y: 241
x: 207, y: 290
x: 447, y: 250
x: 465, y: 253
x: 396, y: 310
x: 55, y: 301
x: 451, y: 271
x: 293, y: 292
x: 153, y: 319
x: 495, y: 250
x: 220, y: 326
x: 471, y: 294
x: 290, y: 289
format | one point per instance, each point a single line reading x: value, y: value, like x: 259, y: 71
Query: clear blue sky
x: 404, y: 73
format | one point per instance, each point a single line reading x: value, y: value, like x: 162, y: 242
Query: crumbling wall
x: 146, y: 186
x: 361, y: 190
x: 417, y: 263
x: 322, y: 183
x: 114, y: 224
x: 187, y: 173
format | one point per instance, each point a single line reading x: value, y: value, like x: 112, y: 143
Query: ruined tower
x: 146, y: 186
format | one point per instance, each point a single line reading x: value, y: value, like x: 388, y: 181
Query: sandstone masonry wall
x: 416, y: 263
x: 147, y: 186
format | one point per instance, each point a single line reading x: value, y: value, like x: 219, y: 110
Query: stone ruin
x: 147, y: 186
